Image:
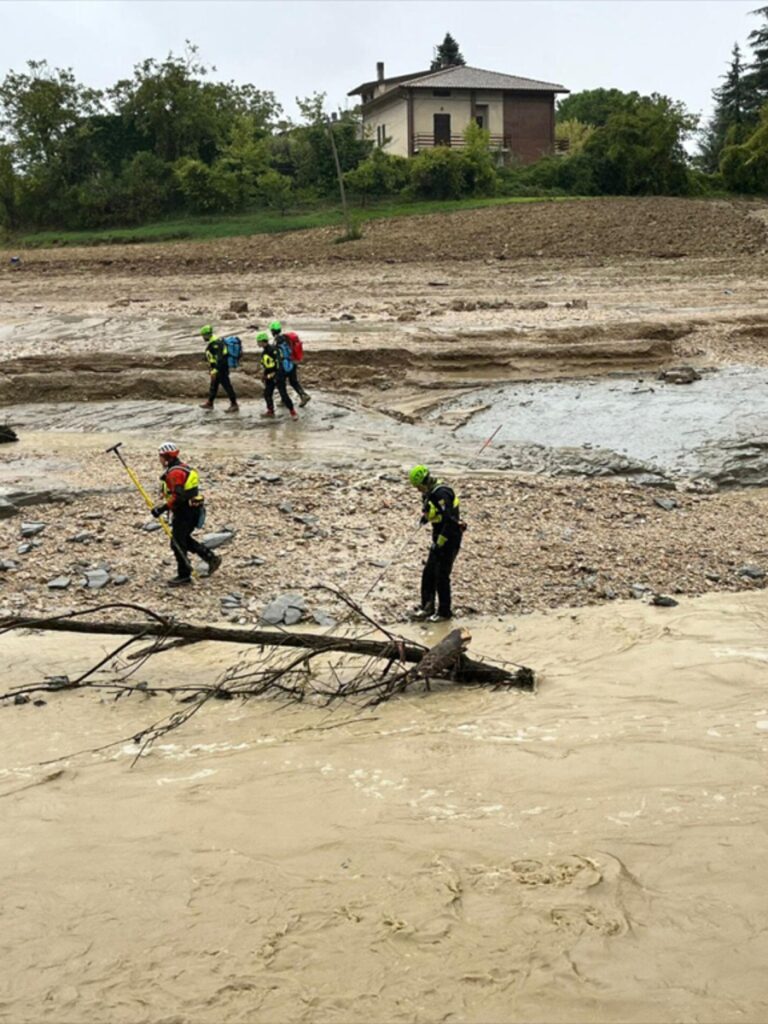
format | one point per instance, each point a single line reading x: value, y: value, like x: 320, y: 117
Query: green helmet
x: 262, y: 336
x: 206, y: 331
x: 276, y: 327
x: 418, y: 475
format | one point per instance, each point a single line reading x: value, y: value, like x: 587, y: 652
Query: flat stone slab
x: 60, y: 583
x: 217, y: 540
x: 31, y: 529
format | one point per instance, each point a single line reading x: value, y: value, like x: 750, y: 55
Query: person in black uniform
x: 217, y: 356
x: 441, y: 510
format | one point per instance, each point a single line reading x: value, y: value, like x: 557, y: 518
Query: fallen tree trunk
x: 464, y: 669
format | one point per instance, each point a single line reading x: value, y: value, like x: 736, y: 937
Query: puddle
x: 711, y: 428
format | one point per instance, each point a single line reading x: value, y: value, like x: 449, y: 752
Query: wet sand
x: 590, y: 853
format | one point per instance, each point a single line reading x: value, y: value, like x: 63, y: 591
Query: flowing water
x: 593, y: 852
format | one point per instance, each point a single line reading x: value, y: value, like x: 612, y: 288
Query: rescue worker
x: 441, y: 510
x: 217, y: 355
x: 292, y: 375
x: 274, y: 376
x: 182, y: 498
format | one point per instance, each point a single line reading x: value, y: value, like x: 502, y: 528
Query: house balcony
x: 427, y: 140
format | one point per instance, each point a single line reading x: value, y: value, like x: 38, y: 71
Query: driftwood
x: 291, y: 679
x: 445, y: 660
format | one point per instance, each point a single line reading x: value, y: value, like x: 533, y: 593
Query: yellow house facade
x: 409, y: 113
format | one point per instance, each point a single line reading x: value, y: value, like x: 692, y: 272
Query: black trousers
x: 184, y: 523
x: 436, y: 578
x: 222, y: 378
x: 293, y: 380
x: 269, y: 390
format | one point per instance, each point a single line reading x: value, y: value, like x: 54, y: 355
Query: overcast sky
x: 296, y: 47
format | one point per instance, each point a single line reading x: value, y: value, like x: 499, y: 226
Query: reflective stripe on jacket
x: 180, y: 485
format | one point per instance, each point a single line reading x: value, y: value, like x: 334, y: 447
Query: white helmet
x: 168, y: 448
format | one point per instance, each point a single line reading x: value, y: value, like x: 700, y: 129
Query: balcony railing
x: 426, y: 140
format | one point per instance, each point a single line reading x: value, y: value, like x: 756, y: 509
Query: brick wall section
x: 529, y: 125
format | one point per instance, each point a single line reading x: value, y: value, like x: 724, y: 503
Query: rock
x: 639, y: 590
x: 151, y: 527
x: 323, y: 618
x: 292, y: 616
x: 751, y: 572
x: 286, y: 506
x: 679, y: 375
x: 218, y: 540
x: 21, y: 698
x: 307, y: 520
x: 254, y: 562
x: 7, y: 564
x: 270, y: 478
x: 238, y: 306
x: 30, y: 529
x: 347, y: 316
x: 95, y: 579
x: 23, y: 549
x: 666, y: 503
x: 60, y: 583
x: 81, y: 538
x: 287, y: 608
x: 118, y: 581
x: 713, y: 577
x: 533, y: 304
x: 8, y: 509
x: 661, y: 601
x: 7, y: 434
x: 577, y: 304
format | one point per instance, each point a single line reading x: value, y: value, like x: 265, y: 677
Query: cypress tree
x: 730, y: 120
x: 757, y: 79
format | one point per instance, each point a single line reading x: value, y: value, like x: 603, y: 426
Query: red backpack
x: 297, y: 349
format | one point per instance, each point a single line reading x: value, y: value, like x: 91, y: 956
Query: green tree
x: 439, y: 173
x: 640, y: 151
x: 39, y: 107
x: 479, y: 161
x: 378, y: 176
x: 576, y: 134
x: 311, y: 153
x: 8, y: 190
x: 745, y: 167
x: 757, y: 78
x: 595, y: 106
x: 730, y: 121
x: 447, y: 54
x: 275, y: 189
x: 177, y: 114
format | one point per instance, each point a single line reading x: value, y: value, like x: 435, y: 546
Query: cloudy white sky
x: 294, y: 47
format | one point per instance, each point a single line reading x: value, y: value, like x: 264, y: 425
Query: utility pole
x: 340, y: 176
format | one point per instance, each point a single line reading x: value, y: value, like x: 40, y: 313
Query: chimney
x: 380, y: 71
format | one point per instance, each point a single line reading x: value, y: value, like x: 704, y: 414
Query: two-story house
x: 409, y: 113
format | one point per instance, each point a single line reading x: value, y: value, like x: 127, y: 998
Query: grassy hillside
x: 257, y: 222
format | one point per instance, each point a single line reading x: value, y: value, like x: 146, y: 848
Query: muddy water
x: 591, y: 853
x: 678, y: 429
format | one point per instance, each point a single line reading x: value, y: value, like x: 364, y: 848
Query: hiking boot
x: 294, y: 414
x: 207, y: 405
x: 304, y: 399
x: 214, y: 564
x: 233, y: 407
x: 179, y: 581
x: 270, y: 414
x: 437, y: 617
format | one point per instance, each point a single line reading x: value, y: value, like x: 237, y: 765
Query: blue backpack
x: 284, y: 350
x: 234, y: 351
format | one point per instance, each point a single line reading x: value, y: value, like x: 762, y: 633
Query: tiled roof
x: 462, y: 77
